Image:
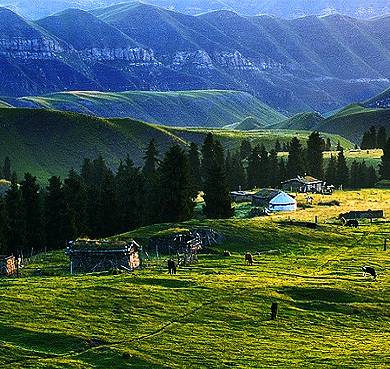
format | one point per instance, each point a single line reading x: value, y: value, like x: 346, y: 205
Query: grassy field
x: 216, y: 313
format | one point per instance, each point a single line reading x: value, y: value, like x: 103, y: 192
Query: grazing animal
x: 248, y: 258
x: 171, y: 267
x: 274, y: 310
x: 369, y: 270
x: 350, y: 222
x: 227, y: 253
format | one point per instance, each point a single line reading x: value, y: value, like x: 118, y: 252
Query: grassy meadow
x: 216, y: 313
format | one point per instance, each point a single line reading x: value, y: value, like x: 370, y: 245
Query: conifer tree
x: 215, y: 183
x: 245, y: 149
x: 75, y: 194
x: 381, y: 137
x: 7, y: 173
x: 55, y: 212
x: 295, y: 161
x: 175, y: 186
x: 16, y: 238
x: 342, y: 170
x: 254, y: 173
x: 35, y: 225
x: 331, y: 171
x: 194, y: 162
x: 355, y: 176
x: 4, y: 227
x: 314, y: 155
x: 150, y: 159
x: 109, y: 217
x: 130, y: 182
x: 237, y: 176
x: 384, y: 165
x: 273, y: 170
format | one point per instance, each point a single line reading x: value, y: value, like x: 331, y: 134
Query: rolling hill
x: 293, y: 65
x: 46, y: 142
x: 181, y: 109
x: 350, y: 122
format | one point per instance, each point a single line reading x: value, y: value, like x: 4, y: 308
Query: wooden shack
x: 186, y: 244
x: 7, y: 265
x: 95, y: 256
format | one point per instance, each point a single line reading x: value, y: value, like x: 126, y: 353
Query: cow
x: 226, y: 253
x: 171, y: 267
x: 369, y: 270
x: 274, y: 310
x: 248, y: 258
x: 350, y: 222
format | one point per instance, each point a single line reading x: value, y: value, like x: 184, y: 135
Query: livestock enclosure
x: 329, y: 315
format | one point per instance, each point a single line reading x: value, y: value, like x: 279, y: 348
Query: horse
x: 171, y: 266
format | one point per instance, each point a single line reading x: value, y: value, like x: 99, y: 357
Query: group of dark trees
x: 373, y: 139
x: 97, y: 201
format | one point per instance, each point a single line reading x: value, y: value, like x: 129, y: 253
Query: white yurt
x: 282, y: 202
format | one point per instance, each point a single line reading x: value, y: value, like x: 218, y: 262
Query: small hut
x: 95, y: 256
x: 7, y: 265
x: 274, y: 200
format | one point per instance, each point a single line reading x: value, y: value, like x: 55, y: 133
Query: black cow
x: 171, y: 267
x: 369, y: 270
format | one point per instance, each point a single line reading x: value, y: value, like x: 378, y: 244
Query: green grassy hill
x: 46, y: 142
x: 211, y: 108
x: 354, y: 120
x: 215, y: 313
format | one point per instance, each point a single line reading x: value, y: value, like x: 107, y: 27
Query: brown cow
x: 248, y: 258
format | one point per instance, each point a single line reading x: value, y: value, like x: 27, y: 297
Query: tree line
x: 97, y: 201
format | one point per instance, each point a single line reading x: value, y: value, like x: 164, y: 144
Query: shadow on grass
x: 166, y: 282
x: 331, y: 295
x: 46, y: 343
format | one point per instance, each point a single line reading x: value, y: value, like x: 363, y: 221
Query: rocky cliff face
x: 32, y: 48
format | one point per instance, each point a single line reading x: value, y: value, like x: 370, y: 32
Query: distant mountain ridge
x: 303, y: 64
x: 33, y: 9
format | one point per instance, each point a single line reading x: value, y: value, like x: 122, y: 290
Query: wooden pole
x: 384, y: 245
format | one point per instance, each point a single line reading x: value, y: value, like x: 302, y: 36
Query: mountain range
x: 33, y: 9
x: 305, y: 64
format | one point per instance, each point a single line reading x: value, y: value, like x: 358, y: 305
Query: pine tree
x: 384, y: 165
x: 356, y: 173
x: 35, y: 223
x: 109, y: 217
x: 4, y: 227
x: 295, y: 161
x: 237, y: 177
x: 55, y: 210
x: 75, y: 194
x: 7, y: 173
x: 130, y: 183
x: 245, y: 149
x: 314, y: 155
x: 16, y: 238
x: 175, y: 186
x: 194, y: 162
x: 381, y: 137
x: 273, y: 170
x: 215, y: 183
x: 254, y: 173
x: 342, y: 170
x: 150, y: 159
x: 328, y: 145
x: 331, y: 171
x: 278, y: 146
